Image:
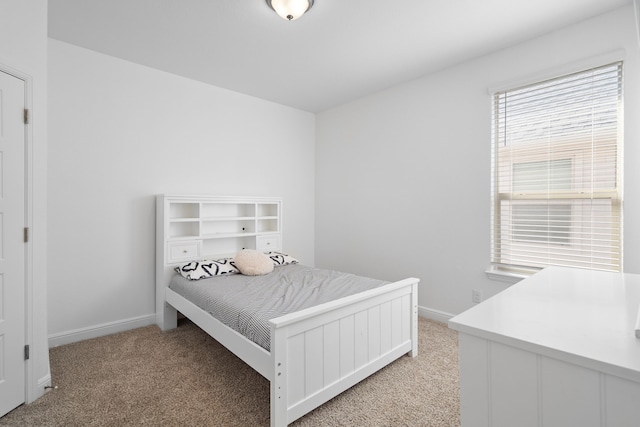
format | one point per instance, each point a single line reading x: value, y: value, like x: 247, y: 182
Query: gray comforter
x: 246, y: 303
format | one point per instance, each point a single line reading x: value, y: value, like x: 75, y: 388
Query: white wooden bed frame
x: 316, y: 353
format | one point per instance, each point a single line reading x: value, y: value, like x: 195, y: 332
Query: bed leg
x: 278, y: 406
x: 279, y: 381
x: 167, y: 317
x: 414, y: 320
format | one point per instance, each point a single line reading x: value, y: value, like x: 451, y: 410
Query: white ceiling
x: 339, y: 51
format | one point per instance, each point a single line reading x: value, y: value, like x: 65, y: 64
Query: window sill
x: 508, y: 276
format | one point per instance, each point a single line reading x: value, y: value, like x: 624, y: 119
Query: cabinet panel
x: 268, y: 243
x: 570, y: 395
x: 183, y: 251
x: 474, y: 381
x: 622, y: 402
x: 513, y: 386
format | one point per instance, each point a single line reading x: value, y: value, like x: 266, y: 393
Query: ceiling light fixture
x: 290, y: 9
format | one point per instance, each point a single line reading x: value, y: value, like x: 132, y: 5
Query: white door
x: 12, y: 246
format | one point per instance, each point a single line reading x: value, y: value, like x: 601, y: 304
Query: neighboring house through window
x: 556, y: 173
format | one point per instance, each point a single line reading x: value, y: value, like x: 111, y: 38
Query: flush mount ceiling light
x: 290, y: 9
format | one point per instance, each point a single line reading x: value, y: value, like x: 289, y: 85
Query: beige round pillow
x: 253, y: 263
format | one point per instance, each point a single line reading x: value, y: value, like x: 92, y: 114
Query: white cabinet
x: 213, y: 227
x: 557, y: 349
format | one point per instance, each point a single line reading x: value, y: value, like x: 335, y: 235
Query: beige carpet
x: 183, y: 377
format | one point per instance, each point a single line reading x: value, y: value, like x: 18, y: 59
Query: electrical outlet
x: 476, y: 296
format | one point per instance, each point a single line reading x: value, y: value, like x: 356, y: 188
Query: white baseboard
x: 437, y: 315
x: 82, y: 334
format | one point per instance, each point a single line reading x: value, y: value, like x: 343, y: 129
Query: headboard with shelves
x: 190, y: 228
x: 217, y: 226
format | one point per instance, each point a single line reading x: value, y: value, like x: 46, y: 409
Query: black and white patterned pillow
x: 196, y: 270
x: 281, y: 259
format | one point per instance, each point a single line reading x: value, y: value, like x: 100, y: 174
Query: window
x: 556, y: 173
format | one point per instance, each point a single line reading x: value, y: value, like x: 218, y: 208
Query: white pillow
x: 253, y: 263
x: 279, y: 258
x: 197, y: 270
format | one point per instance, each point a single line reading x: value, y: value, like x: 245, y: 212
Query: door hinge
x: 26, y: 352
x: 26, y: 116
x: 26, y: 234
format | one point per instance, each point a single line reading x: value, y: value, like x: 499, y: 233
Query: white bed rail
x: 321, y: 351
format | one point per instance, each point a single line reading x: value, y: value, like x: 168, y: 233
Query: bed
x: 312, y: 354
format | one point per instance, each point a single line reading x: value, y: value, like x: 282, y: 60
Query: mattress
x: 246, y: 303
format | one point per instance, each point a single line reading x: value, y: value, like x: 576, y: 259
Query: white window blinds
x: 556, y: 172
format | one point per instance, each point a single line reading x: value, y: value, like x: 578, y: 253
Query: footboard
x: 321, y: 351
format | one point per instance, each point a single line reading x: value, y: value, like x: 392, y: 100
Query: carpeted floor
x: 184, y: 377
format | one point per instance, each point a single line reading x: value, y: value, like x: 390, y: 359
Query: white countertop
x: 585, y: 317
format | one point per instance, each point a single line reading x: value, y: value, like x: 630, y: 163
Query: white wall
x: 121, y: 133
x: 403, y: 176
x: 23, y: 49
